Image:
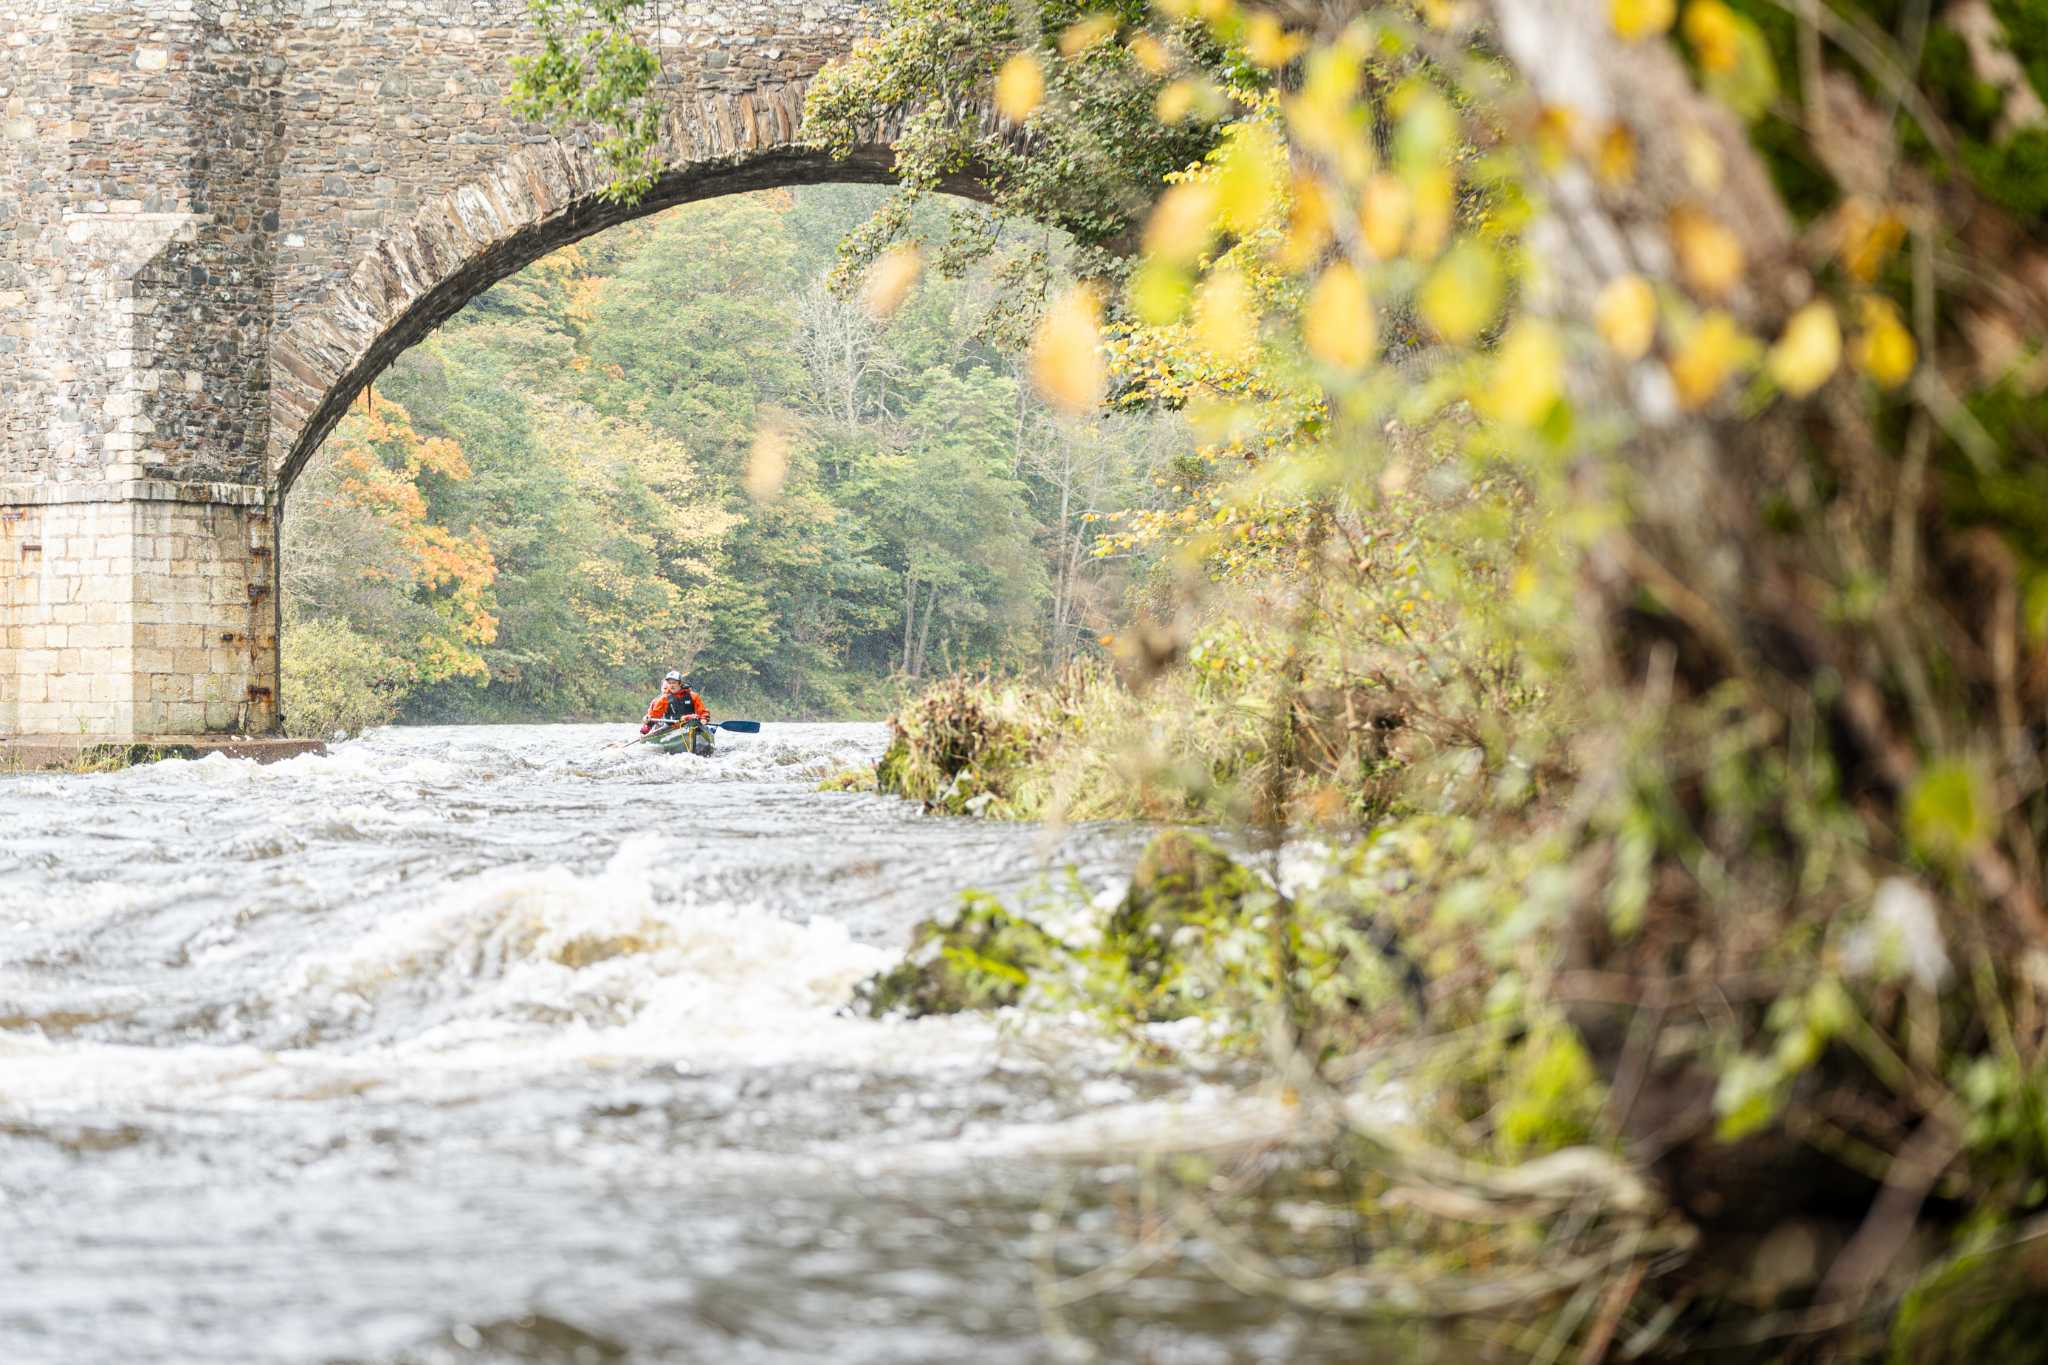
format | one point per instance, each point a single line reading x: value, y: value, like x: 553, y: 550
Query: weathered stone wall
x: 219, y: 219
x: 34, y: 132
x: 139, y: 610
x: 392, y: 105
x: 132, y: 218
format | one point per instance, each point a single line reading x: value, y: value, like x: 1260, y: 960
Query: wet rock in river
x: 981, y: 959
x: 1182, y: 879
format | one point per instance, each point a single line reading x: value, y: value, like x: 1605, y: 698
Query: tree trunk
x: 909, y: 615
x: 924, y: 631
x: 1076, y: 556
x: 1062, y: 582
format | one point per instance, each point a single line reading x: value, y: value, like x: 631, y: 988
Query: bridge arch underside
x: 423, y: 274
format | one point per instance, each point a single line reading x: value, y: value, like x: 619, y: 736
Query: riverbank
x: 48, y: 753
x: 1509, y: 1145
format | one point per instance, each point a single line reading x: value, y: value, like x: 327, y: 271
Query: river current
x: 491, y: 1044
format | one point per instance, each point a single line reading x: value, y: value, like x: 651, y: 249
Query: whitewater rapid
x: 491, y: 1044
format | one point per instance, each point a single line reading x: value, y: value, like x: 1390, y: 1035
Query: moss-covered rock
x: 981, y: 959
x: 959, y: 748
x: 892, y: 769
x: 851, y: 780
x: 1183, y: 881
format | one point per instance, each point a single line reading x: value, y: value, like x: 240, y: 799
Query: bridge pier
x: 143, y: 610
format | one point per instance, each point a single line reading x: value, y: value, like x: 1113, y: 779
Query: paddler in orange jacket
x: 675, y: 702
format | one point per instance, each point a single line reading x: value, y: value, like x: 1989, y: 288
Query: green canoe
x: 687, y: 738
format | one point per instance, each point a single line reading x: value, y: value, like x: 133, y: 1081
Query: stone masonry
x: 219, y: 220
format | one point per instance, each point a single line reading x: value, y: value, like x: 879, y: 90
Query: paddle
x: 738, y: 727
x: 655, y: 733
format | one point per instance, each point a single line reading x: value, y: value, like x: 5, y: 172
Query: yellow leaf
x: 1020, y: 85
x: 1066, y: 354
x: 1711, y: 28
x: 1320, y: 127
x: 1705, y: 166
x: 889, y: 280
x: 1176, y: 101
x: 1626, y: 316
x: 1151, y: 54
x: 1337, y: 322
x: 1330, y: 78
x: 1884, y: 350
x: 1383, y: 215
x: 1736, y: 64
x: 1527, y: 377
x: 1225, y: 324
x: 1462, y: 294
x: 1268, y: 44
x: 1951, y: 810
x: 1710, y: 354
x: 1638, y: 19
x: 1308, y: 229
x: 1615, y: 156
x: 1869, y: 234
x: 1436, y: 204
x: 1159, y: 292
x: 1427, y: 129
x: 1181, y: 222
x: 767, y: 463
x: 1090, y: 32
x: 1248, y: 177
x: 1556, y: 128
x: 1709, y: 253
x: 1807, y: 354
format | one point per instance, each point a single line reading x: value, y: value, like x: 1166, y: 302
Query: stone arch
x: 422, y: 272
x: 542, y: 197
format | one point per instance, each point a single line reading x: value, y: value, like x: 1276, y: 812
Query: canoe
x: 687, y: 738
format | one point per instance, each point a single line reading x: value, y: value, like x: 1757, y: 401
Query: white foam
x: 461, y: 982
x: 93, y: 900
x: 529, y: 954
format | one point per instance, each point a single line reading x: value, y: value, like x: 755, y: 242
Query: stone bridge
x: 219, y: 220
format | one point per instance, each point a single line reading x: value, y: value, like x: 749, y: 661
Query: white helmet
x: 673, y: 676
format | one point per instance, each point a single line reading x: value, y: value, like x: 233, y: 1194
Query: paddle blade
x: 739, y: 727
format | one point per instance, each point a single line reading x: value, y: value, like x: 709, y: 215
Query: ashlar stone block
x: 111, y: 637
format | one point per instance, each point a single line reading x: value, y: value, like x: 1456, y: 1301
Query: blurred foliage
x: 1603, y: 599
x: 1412, y: 591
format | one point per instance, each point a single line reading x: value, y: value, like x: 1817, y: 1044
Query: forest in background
x: 673, y: 445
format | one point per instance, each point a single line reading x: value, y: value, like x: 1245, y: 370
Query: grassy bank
x: 1429, y: 947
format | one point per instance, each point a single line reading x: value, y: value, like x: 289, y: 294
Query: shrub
x: 336, y: 681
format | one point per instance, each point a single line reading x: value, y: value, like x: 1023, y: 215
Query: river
x: 489, y: 1044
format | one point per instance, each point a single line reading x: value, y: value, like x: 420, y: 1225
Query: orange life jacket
x: 665, y: 707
